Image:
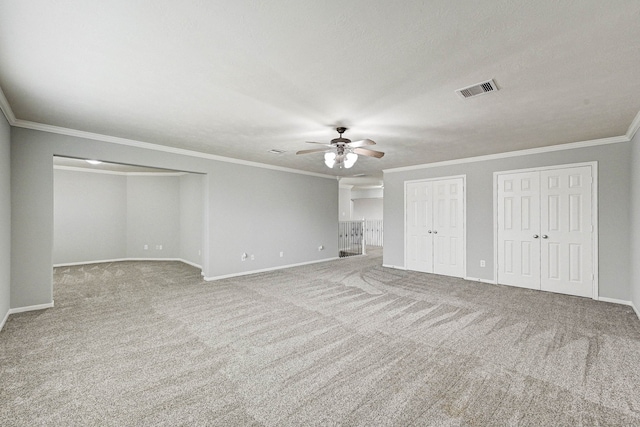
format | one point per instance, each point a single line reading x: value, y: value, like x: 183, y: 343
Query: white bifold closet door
x: 435, y: 226
x: 545, y: 230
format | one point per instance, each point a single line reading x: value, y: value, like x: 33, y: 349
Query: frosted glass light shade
x: 350, y: 160
x: 330, y: 159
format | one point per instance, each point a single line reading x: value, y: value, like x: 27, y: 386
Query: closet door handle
x: 535, y: 236
x: 429, y: 231
x: 435, y: 232
x: 544, y: 236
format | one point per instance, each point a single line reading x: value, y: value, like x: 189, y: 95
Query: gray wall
x: 614, y: 169
x: 90, y: 216
x: 635, y: 221
x: 368, y: 208
x: 248, y: 209
x: 153, y: 216
x: 101, y: 216
x: 367, y: 203
x: 191, y: 220
x: 263, y: 212
x: 5, y: 218
x: 367, y: 193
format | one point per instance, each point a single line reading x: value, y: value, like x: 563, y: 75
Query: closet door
x: 419, y: 214
x: 448, y: 227
x: 435, y: 226
x: 519, y: 229
x: 545, y: 230
x: 566, y: 231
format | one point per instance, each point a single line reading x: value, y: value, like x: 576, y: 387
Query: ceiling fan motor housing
x: 340, y: 139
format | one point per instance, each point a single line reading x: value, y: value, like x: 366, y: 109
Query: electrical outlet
x: 483, y: 263
x: 253, y: 257
x: 146, y: 247
x: 159, y: 247
x: 281, y: 254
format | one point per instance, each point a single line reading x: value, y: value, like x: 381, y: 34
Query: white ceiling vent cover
x: 477, y: 89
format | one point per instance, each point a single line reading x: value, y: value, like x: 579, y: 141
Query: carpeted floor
x: 339, y: 343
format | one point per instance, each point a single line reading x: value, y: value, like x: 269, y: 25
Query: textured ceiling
x: 237, y: 78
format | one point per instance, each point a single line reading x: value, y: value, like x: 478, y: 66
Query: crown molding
x: 121, y: 173
x: 150, y: 146
x: 6, y: 109
x: 633, y: 127
x: 526, y: 152
x: 11, y: 118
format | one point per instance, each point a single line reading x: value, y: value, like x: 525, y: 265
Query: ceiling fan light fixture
x: 346, y: 151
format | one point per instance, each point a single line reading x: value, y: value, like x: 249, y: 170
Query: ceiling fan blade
x: 321, y: 143
x: 361, y: 143
x: 315, y: 150
x: 370, y: 153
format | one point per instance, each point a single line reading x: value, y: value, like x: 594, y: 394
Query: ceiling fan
x: 343, y: 151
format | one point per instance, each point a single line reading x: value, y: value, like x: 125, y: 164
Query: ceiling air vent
x: 477, y: 89
x: 276, y: 151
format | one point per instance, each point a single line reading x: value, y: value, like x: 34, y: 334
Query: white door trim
x: 594, y: 213
x: 464, y: 216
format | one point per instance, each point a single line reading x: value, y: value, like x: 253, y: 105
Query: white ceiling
x: 237, y: 78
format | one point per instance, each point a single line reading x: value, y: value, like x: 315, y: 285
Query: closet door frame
x: 464, y: 216
x: 594, y: 214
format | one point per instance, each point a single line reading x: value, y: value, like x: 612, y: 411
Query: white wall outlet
x: 199, y: 252
x: 159, y: 247
x: 244, y: 257
x: 483, y: 263
x: 281, y: 254
x: 253, y: 257
x: 146, y: 247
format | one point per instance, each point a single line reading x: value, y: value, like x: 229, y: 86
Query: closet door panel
x: 566, y: 227
x: 419, y: 222
x: 519, y: 229
x: 448, y: 227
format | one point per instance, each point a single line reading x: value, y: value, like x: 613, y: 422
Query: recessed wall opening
x: 105, y: 212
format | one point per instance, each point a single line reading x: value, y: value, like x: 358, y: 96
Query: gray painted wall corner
x: 635, y: 222
x: 5, y: 219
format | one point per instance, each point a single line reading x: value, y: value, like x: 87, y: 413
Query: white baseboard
x: 280, y: 267
x: 192, y: 264
x: 6, y: 316
x: 477, y: 279
x: 395, y: 267
x: 30, y: 308
x: 615, y: 301
x: 102, y: 261
x: 623, y: 302
x: 99, y: 261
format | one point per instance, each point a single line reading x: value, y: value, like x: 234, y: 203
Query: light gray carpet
x: 339, y: 343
